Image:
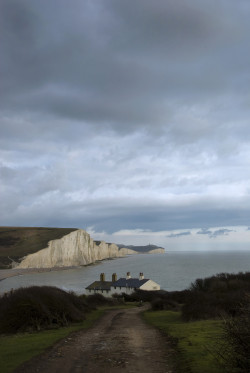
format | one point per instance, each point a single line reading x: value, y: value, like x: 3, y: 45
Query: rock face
x: 125, y: 251
x: 74, y: 249
x: 160, y: 250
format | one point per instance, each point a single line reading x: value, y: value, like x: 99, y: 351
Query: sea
x: 172, y: 270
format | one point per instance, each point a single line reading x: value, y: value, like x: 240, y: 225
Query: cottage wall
x: 109, y: 293
x: 120, y: 290
x: 150, y: 285
x: 105, y: 293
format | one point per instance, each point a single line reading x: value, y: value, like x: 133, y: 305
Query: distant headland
x: 29, y: 247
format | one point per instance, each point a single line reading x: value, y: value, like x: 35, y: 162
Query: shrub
x: 164, y: 304
x: 97, y: 300
x: 234, y: 346
x: 213, y: 296
x: 36, y: 308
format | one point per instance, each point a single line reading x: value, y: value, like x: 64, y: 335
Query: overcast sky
x: 127, y: 118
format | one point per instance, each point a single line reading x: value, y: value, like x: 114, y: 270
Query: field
x: 195, y: 342
x: 16, y: 242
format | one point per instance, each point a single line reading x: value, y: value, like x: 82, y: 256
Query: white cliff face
x: 157, y: 251
x: 124, y: 251
x: 76, y: 248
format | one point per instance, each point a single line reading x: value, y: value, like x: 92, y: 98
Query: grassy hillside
x: 16, y: 242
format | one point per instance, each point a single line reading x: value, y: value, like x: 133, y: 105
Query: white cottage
x: 125, y: 285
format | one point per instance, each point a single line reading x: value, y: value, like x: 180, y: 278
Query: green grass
x: 195, y: 340
x: 15, y: 350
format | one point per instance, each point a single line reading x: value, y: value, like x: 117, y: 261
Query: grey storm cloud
x: 125, y: 114
x: 215, y: 233
x: 205, y: 231
x: 121, y: 63
x: 221, y: 232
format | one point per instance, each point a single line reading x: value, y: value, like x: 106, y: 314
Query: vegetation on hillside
x: 33, y: 319
x: 209, y: 323
x: 207, y: 298
x: 216, y: 296
x: 16, y: 242
x: 234, y: 345
x: 16, y: 349
x: 223, y: 300
x: 45, y: 307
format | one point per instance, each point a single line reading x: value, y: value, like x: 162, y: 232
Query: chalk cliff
x: 75, y: 249
x: 125, y: 251
x: 160, y: 250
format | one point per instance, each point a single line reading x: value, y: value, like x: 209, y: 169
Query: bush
x: 158, y: 304
x: 234, y: 347
x: 97, y: 300
x: 36, y: 308
x: 213, y: 296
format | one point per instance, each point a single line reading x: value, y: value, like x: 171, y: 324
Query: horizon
x: 216, y: 240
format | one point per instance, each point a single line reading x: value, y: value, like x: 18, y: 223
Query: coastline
x: 12, y: 272
x: 6, y: 273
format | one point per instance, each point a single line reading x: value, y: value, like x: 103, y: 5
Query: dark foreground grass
x: 195, y: 342
x: 16, y: 349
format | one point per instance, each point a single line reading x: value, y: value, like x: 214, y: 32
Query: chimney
x: 102, y: 277
x: 128, y: 275
x: 114, y: 277
x: 141, y: 277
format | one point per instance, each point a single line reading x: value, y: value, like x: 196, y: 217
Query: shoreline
x: 7, y: 273
x: 12, y: 272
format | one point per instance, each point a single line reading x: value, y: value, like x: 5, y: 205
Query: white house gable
x: 150, y: 286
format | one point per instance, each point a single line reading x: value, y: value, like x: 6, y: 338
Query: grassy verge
x: 194, y: 340
x: 16, y: 349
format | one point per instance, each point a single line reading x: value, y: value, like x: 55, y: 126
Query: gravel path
x: 119, y: 342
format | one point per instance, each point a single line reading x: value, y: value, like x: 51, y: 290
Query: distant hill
x: 140, y: 249
x: 16, y: 242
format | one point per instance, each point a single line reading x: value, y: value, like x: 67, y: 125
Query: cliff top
x: 16, y: 242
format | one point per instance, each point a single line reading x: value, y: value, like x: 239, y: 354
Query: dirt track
x: 119, y: 342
